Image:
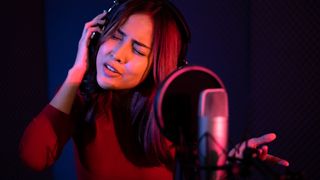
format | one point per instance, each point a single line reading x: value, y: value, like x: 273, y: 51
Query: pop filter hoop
x: 177, y: 99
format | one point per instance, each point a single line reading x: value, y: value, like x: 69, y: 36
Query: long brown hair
x: 137, y: 131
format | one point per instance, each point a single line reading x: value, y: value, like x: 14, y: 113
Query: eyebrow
x: 134, y: 41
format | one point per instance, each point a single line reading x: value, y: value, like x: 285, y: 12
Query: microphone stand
x: 186, y: 161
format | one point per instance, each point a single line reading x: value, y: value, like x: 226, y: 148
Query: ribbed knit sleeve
x: 45, y: 136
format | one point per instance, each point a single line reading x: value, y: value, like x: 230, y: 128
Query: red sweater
x: 98, y: 156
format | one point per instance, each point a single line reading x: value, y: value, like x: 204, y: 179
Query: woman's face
x: 123, y: 59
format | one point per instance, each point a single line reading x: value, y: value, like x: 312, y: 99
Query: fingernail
x: 104, y: 11
x: 284, y: 163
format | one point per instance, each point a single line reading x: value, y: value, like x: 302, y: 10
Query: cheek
x: 139, y: 68
x: 99, y: 54
x: 105, y: 48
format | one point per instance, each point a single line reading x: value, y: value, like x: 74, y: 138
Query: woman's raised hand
x: 258, y: 143
x: 81, y: 62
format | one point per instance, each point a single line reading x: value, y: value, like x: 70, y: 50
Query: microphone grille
x: 213, y: 103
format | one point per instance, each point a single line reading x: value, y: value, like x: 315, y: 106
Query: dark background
x: 266, y: 52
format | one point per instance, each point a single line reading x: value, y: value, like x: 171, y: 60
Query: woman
x: 105, y: 102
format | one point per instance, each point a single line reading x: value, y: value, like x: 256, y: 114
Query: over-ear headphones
x: 95, y: 35
x: 179, y: 19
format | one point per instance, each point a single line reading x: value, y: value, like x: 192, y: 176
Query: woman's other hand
x: 258, y: 143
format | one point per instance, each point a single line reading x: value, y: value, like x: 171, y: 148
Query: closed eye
x: 138, y: 52
x: 116, y: 37
x: 139, y: 49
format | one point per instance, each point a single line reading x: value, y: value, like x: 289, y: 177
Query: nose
x: 121, y: 53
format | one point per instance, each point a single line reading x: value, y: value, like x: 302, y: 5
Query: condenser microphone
x: 176, y: 109
x: 213, y: 133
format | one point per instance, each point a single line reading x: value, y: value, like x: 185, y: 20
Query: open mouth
x: 110, y: 68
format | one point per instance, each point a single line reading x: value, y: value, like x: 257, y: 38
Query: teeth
x: 111, y: 68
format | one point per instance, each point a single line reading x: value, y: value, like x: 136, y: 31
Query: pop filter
x: 177, y: 102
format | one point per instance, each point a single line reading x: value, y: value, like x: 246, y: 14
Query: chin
x: 104, y: 85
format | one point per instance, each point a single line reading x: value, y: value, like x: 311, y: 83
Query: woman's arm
x: 64, y: 98
x: 45, y: 136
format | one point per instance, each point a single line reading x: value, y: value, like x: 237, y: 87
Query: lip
x: 110, y: 70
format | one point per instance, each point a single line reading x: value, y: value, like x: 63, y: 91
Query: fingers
x: 92, y: 26
x: 264, y: 156
x: 267, y: 138
x: 89, y: 34
x: 94, y: 23
x: 100, y: 19
x: 263, y: 152
x: 101, y: 16
x: 232, y: 152
x: 254, y: 143
x: 277, y: 160
x: 97, y: 21
x: 258, y: 144
x: 238, y: 151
